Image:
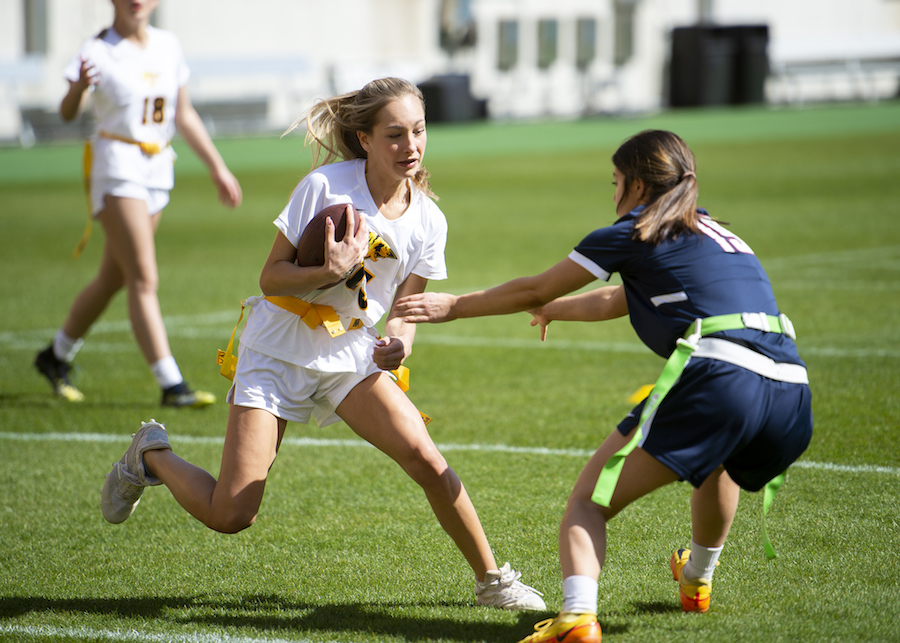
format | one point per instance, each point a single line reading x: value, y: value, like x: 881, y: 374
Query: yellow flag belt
x: 313, y: 315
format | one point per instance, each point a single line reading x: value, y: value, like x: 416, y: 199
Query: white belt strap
x: 725, y: 351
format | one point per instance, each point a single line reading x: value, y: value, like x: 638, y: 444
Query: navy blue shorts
x: 719, y: 413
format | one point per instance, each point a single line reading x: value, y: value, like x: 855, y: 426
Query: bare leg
x: 129, y: 259
x: 379, y: 412
x: 95, y: 297
x: 713, y: 506
x: 582, y: 534
x: 231, y: 503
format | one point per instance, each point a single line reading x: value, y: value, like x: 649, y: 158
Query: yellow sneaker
x: 567, y: 627
x: 57, y: 373
x: 694, y: 592
x: 183, y: 396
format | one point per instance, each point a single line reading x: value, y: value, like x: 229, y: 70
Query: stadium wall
x: 256, y: 66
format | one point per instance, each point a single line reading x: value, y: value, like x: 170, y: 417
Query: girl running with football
x: 137, y: 75
x: 309, y: 347
x: 731, y: 409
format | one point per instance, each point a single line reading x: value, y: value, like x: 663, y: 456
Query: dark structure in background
x: 718, y: 65
x: 448, y: 98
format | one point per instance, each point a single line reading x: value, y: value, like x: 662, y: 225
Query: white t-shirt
x: 412, y: 244
x: 135, y: 99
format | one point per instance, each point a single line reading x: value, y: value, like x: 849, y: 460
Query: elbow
x: 264, y: 285
x: 535, y: 298
x: 536, y: 301
x: 265, y: 282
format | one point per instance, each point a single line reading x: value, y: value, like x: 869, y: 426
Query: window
x: 547, y: 42
x: 508, y: 53
x: 585, y: 42
x: 35, y: 26
x: 457, y: 25
x: 624, y: 17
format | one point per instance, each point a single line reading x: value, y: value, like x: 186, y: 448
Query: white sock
x: 64, y: 347
x: 166, y: 372
x: 580, y: 595
x: 702, y: 562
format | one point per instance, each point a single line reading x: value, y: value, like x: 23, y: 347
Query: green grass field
x: 345, y: 548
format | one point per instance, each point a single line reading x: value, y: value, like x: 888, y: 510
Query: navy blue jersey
x: 669, y: 285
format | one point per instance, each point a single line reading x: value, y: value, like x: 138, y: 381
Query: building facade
x: 258, y: 65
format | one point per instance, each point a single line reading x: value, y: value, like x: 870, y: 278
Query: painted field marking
x: 211, y: 326
x: 130, y: 636
x: 359, y: 443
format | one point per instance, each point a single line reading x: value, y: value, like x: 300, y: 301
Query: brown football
x: 311, y: 247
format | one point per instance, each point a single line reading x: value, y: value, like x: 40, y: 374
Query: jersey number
x: 355, y: 281
x: 727, y: 241
x: 153, y: 110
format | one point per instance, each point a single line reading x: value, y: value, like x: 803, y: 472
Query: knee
x: 425, y: 465
x: 109, y: 282
x: 582, y: 505
x: 231, y: 522
x: 144, y: 283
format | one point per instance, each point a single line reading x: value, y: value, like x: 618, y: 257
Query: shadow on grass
x: 657, y: 607
x: 276, y: 616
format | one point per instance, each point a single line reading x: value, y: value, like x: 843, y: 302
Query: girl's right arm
x: 74, y: 100
x: 600, y: 304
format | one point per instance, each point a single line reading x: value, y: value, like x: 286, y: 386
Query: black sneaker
x: 182, y: 396
x: 57, y: 372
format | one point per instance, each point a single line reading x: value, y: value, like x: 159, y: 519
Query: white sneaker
x: 501, y: 588
x: 125, y: 483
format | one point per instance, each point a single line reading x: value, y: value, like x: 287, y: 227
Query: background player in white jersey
x: 732, y: 408
x: 137, y: 76
x: 289, y: 371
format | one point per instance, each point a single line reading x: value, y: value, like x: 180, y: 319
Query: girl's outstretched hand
x: 430, y: 307
x: 538, y: 317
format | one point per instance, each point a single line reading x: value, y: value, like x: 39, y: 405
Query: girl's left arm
x: 524, y: 293
x: 191, y: 127
x: 396, y: 345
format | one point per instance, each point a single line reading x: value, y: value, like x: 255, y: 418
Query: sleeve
x: 605, y: 251
x: 307, y: 199
x: 432, y: 263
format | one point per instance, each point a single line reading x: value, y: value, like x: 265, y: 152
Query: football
x: 311, y: 247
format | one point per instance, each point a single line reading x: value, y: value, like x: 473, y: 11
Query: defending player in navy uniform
x: 732, y: 407
x: 310, y: 348
x: 137, y: 76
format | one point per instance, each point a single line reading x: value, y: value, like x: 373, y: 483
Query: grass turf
x: 345, y: 548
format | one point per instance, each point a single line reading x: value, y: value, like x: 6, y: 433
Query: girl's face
x: 626, y: 201
x: 396, y: 144
x: 135, y: 10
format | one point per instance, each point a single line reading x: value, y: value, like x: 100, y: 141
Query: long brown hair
x: 666, y: 166
x: 332, y: 123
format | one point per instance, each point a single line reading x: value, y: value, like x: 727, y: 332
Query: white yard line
x: 361, y: 444
x: 128, y: 636
x: 211, y: 327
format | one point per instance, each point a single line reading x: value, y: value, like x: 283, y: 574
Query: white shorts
x: 288, y: 391
x: 156, y: 199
